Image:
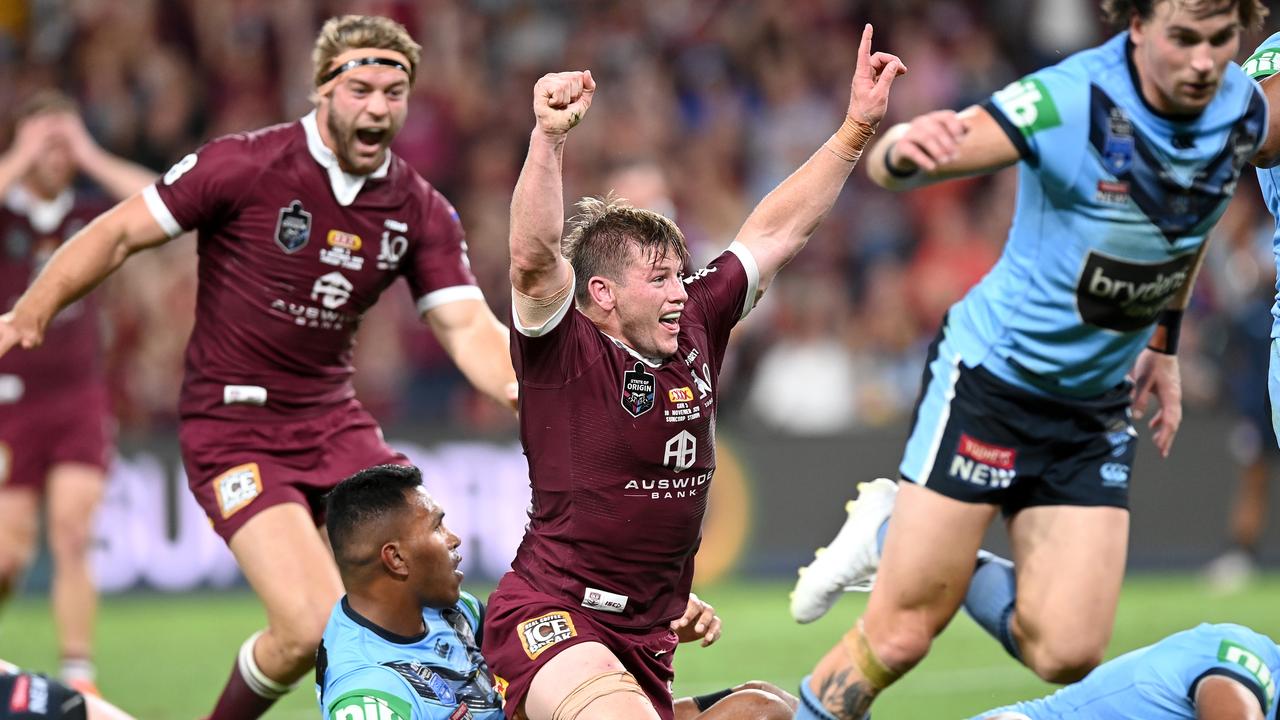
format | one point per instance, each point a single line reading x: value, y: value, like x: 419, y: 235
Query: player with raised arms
x: 1129, y: 152
x: 618, y: 355
x: 301, y: 227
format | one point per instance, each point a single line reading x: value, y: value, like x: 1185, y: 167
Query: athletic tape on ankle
x: 593, y: 689
x: 849, y: 141
x: 876, y: 673
x: 257, y: 681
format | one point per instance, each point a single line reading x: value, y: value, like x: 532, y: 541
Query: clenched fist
x: 560, y: 100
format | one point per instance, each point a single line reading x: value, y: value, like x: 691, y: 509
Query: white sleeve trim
x: 160, y: 212
x: 753, y: 275
x: 550, y: 324
x: 444, y: 296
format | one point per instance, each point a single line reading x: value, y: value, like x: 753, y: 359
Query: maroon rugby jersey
x: 70, y: 357
x: 621, y: 451
x: 292, y: 253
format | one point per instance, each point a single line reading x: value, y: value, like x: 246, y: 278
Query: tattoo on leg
x: 845, y: 695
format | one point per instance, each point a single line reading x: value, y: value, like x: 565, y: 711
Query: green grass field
x: 165, y: 657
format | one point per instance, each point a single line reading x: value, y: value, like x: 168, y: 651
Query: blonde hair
x: 349, y: 32
x: 603, y: 232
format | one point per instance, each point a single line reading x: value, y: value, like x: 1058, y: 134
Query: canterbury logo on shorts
x: 540, y: 633
x: 237, y: 487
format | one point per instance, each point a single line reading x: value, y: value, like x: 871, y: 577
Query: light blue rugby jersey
x: 1158, y: 682
x: 1113, y: 202
x: 364, y: 672
x: 1264, y: 63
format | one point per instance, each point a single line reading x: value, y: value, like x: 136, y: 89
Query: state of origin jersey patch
x: 639, y: 388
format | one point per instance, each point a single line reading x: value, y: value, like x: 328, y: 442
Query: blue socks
x: 990, y: 599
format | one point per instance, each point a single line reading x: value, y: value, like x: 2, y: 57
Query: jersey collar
x: 380, y: 631
x: 345, y: 185
x: 44, y: 215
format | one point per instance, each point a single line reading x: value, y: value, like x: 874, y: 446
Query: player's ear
x: 393, y: 560
x: 602, y: 292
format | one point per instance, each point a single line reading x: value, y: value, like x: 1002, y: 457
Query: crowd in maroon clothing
x: 709, y: 103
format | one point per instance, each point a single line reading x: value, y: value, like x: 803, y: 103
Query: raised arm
x: 79, y: 265
x: 538, y: 269
x: 30, y: 140
x: 119, y: 177
x: 785, y: 219
x: 938, y: 146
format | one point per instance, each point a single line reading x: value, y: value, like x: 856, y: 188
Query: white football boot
x: 850, y: 561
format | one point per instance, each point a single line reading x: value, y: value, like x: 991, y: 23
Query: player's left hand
x: 699, y: 622
x: 872, y: 78
x: 1157, y: 374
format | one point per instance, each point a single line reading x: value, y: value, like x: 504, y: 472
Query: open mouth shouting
x: 671, y: 322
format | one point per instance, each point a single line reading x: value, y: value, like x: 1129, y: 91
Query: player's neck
x: 396, y: 614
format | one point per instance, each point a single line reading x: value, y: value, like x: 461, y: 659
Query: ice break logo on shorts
x: 1237, y: 654
x: 982, y: 463
x: 1029, y: 106
x: 540, y: 633
x: 369, y: 705
x: 237, y: 487
x: 1125, y: 296
x: 639, y: 388
x: 293, y: 228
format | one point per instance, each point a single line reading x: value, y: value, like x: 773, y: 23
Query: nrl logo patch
x: 293, y: 228
x: 639, y: 387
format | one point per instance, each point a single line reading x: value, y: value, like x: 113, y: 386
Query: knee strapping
x: 878, y: 675
x: 594, y: 688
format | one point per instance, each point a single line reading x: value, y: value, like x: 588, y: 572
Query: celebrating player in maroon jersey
x: 301, y: 227
x: 618, y: 355
x: 55, y: 426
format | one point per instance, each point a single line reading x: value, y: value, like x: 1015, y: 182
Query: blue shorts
x: 978, y: 439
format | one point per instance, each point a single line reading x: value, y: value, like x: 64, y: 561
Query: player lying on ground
x: 1211, y: 672
x: 404, y: 639
x: 1129, y: 154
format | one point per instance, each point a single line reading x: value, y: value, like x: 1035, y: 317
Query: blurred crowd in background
x: 703, y: 106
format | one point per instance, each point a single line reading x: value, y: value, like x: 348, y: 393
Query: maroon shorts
x: 36, y: 434
x: 524, y: 628
x: 237, y: 469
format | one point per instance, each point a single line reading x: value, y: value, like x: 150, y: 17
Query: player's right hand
x: 560, y: 100
x: 30, y: 140
x: 930, y: 141
x: 14, y: 333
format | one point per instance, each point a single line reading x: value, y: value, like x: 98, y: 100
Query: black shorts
x: 27, y: 696
x: 978, y: 439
